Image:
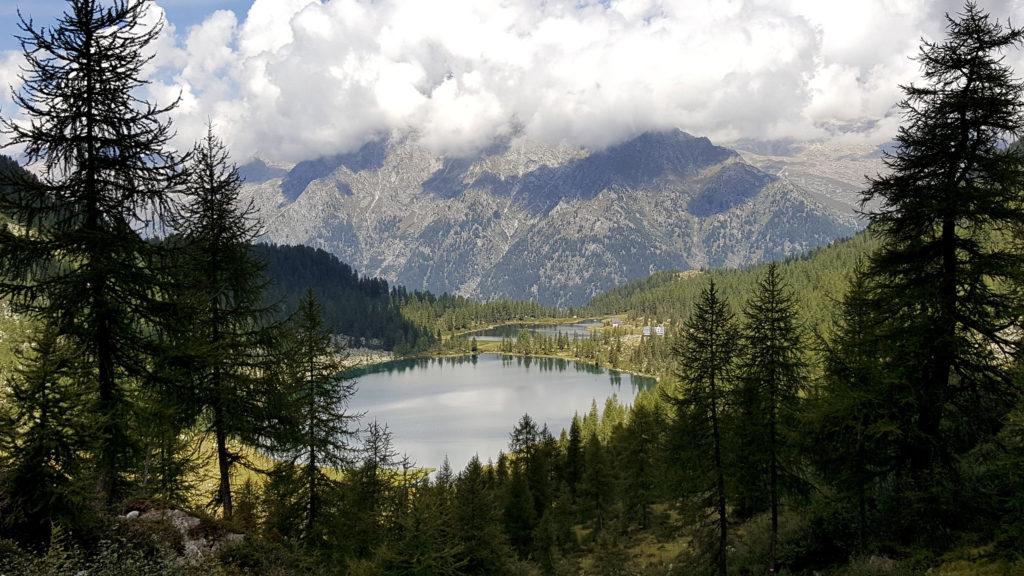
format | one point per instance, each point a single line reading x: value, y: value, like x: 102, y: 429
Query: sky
x: 289, y: 80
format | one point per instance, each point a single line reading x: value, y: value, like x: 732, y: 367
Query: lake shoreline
x: 442, y: 355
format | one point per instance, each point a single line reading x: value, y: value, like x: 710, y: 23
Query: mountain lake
x: 465, y: 405
x: 510, y: 331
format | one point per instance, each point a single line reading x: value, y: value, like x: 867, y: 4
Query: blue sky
x: 183, y: 13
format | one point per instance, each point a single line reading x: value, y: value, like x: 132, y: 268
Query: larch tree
x: 225, y: 337
x: 706, y: 351
x: 855, y: 415
x: 46, y: 434
x: 948, y: 272
x: 326, y: 430
x: 573, y: 465
x: 75, y: 255
x: 772, y: 371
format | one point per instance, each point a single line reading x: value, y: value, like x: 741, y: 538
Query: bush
x: 108, y: 558
x: 879, y: 566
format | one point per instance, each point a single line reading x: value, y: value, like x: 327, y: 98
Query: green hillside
x: 818, y: 279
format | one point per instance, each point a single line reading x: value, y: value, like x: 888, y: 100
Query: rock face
x: 555, y: 224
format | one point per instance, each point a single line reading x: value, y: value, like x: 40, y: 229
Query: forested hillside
x: 364, y: 309
x: 819, y: 279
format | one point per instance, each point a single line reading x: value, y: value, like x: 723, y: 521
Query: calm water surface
x: 581, y: 330
x: 468, y: 405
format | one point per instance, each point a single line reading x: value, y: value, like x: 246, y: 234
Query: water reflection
x: 467, y: 405
x: 510, y: 331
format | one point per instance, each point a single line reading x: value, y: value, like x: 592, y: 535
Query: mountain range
x: 556, y: 224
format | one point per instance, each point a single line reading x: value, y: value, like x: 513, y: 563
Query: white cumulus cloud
x: 297, y: 79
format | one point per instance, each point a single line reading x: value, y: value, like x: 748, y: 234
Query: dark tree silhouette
x: 320, y: 393
x: 946, y: 271
x: 772, y: 369
x: 224, y: 337
x: 706, y: 351
x: 75, y: 256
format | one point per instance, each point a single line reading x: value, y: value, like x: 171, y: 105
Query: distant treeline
x: 364, y: 309
x: 448, y: 313
x: 372, y: 313
x: 818, y: 279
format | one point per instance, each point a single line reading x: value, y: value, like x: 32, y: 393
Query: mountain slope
x: 359, y: 308
x: 550, y: 223
x: 818, y: 279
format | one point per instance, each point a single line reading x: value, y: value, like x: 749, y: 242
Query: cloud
x: 297, y: 79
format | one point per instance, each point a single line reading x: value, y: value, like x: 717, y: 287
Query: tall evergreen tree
x: 224, y: 337
x: 372, y: 486
x: 477, y: 527
x: 856, y: 417
x: 595, y: 488
x: 44, y: 437
x: 946, y: 273
x: 772, y: 370
x: 706, y: 351
x: 321, y: 393
x: 573, y: 467
x: 75, y: 257
x: 638, y: 444
x: 519, y: 512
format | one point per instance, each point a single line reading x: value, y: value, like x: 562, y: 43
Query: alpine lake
x: 464, y: 405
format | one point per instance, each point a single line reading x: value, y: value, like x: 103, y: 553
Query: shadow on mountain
x: 370, y: 157
x: 729, y: 187
x: 644, y: 160
x: 257, y: 172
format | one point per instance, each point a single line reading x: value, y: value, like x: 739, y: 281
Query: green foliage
x: 854, y: 425
x: 772, y: 373
x: 324, y: 432
x: 222, y: 341
x: 706, y: 351
x: 476, y: 523
x: 74, y: 254
x: 815, y: 278
x: 364, y: 310
x: 45, y: 434
x: 447, y: 313
x: 946, y: 278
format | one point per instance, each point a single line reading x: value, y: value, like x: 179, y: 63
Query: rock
x: 195, y: 545
x: 132, y: 515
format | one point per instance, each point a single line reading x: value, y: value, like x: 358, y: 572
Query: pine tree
x: 772, y: 372
x: 45, y: 435
x: 706, y: 351
x: 520, y: 514
x: 223, y: 338
x: 524, y: 438
x: 320, y: 394
x: 638, y: 445
x: 428, y: 544
x: 76, y: 257
x: 372, y: 490
x: 946, y: 272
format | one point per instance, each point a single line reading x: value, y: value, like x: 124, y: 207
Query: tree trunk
x: 933, y: 397
x: 223, y: 463
x: 773, y: 491
x: 723, y: 537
